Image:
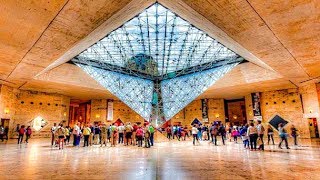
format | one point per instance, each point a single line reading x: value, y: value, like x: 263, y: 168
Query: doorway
x: 235, y: 111
x: 313, y: 128
x: 5, y: 122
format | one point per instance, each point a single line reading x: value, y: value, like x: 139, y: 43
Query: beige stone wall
x: 249, y: 107
x: 120, y: 111
x: 287, y: 104
x: 24, y: 106
x: 193, y: 110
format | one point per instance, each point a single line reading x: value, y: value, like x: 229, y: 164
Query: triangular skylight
x: 157, y: 46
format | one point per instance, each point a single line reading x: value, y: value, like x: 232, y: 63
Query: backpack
x: 86, y: 131
x: 21, y: 131
x: 128, y: 129
x: 29, y: 131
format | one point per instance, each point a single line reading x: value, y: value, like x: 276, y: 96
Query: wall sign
x: 204, y: 105
x: 256, y: 104
x: 110, y: 110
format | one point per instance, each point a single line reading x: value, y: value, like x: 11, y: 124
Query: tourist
x: 6, y: 132
x: 67, y: 135
x: 91, y: 137
x: 147, y: 135
x: 270, y: 134
x: 253, y: 136
x: 169, y: 132
x: 199, y: 132
x: 109, y: 133
x: 103, y: 134
x: 86, y: 135
x: 283, y: 135
x: 114, y: 134
x: 175, y: 131
x: 194, y: 131
x: 28, y: 133
x: 294, y: 134
x: 134, y: 137
x: 53, y: 130
x: 21, y: 134
x: 151, y: 130
x: 260, y: 130
x: 228, y: 131
x: 1, y: 133
x: 139, y: 136
x: 183, y: 134
x: 222, y: 132
x: 205, y: 134
x: 96, y: 134
x: 178, y: 133
x: 244, y: 136
x: 214, y: 133
x: 128, y: 130
x: 121, y: 132
x: 60, y: 133
x: 76, y: 134
x: 186, y: 130
x: 235, y: 134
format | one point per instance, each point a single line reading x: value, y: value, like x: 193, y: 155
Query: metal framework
x: 157, y: 62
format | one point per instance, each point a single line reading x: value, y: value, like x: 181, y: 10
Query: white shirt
x: 121, y: 129
x: 76, y: 130
x: 194, y: 130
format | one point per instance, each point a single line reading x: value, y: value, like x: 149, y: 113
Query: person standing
x: 86, y: 134
x: 96, y: 134
x: 76, y: 134
x: 294, y: 134
x: 67, y: 135
x: 128, y: 136
x: 2, y: 133
x: 134, y: 131
x: 121, y: 131
x: 28, y: 133
x: 114, y: 133
x: 140, y: 136
x: 6, y: 132
x: 169, y: 132
x: 147, y: 137
x: 244, y: 136
x: 61, y: 135
x: 194, y: 131
x: 260, y: 130
x: 283, y: 135
x: 222, y: 132
x: 151, y: 130
x: 53, y: 131
x: 253, y: 136
x: 21, y: 134
x: 214, y: 133
x: 104, y: 132
x: 270, y: 135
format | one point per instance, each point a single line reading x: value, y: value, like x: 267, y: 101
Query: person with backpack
x: 244, y: 136
x: 60, y: 133
x: 129, y: 130
x: 214, y: 133
x: 28, y: 133
x: 121, y: 129
x: 147, y: 135
x: 86, y: 134
x: 252, y: 132
x: 222, y: 132
x: 104, y: 132
x: 2, y: 133
x: 140, y: 136
x: 96, y: 134
x: 21, y: 134
x: 67, y: 135
x: 134, y: 132
x: 260, y: 129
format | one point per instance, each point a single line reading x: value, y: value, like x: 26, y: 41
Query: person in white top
x: 76, y: 134
x: 194, y: 131
x: 121, y: 131
x: 53, y: 131
x: 260, y: 130
x: 253, y: 136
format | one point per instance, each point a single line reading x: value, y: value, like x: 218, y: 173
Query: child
x: 235, y: 135
x: 260, y: 144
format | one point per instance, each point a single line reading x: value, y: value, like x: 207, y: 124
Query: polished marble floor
x: 166, y: 160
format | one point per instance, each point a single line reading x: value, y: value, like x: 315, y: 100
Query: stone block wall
x: 24, y: 106
x: 288, y: 105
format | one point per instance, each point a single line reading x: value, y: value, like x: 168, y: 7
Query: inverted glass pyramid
x: 157, y: 62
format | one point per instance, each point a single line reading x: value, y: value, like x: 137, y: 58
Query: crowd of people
x: 252, y: 135
x: 102, y: 134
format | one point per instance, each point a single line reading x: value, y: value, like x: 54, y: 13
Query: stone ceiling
x: 278, y: 36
